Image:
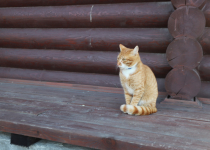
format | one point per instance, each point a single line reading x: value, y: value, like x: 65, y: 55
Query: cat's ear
x: 121, y: 47
x: 135, y: 50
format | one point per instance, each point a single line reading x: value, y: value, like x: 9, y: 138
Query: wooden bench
x: 58, y: 76
x: 89, y: 116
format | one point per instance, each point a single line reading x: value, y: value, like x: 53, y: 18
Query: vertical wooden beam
x: 184, y: 54
x: 22, y: 140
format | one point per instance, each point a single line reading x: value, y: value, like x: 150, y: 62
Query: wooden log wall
x: 184, y: 54
x: 103, y: 39
x: 155, y: 40
x: 22, y: 3
x: 76, y: 60
x: 60, y: 41
x: 107, y: 80
x: 121, y: 15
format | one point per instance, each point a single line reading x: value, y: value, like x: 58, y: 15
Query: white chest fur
x: 128, y: 72
x: 130, y: 90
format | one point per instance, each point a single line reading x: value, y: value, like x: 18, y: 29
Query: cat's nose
x: 118, y: 64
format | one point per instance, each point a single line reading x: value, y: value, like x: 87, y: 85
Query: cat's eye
x: 123, y: 59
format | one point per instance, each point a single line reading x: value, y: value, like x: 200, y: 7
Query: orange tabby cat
x: 138, y: 82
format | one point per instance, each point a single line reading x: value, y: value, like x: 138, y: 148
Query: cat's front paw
x: 123, y: 108
x: 130, y: 109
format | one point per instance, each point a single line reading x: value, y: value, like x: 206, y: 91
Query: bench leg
x: 22, y: 140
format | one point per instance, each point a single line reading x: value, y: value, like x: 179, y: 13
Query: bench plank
x: 49, y: 111
x: 89, y: 135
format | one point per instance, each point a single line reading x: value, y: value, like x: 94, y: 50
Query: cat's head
x: 127, y: 57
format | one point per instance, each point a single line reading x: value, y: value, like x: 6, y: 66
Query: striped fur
x: 139, y: 83
x: 138, y: 110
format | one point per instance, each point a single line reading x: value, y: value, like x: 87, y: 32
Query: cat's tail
x: 138, y: 110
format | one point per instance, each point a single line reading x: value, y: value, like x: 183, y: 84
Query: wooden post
x: 22, y: 140
x: 184, y: 54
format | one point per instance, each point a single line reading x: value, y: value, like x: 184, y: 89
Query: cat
x: 138, y: 81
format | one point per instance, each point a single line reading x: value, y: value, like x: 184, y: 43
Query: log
x: 205, y: 41
x: 76, y: 61
x: 182, y: 83
x: 187, y: 21
x: 149, y: 40
x: 67, y: 77
x: 23, y: 3
x: 205, y: 90
x: 142, y: 15
x: 204, y: 68
x: 166, y: 11
x: 206, y: 11
x: 185, y: 52
x: 61, y: 76
x: 82, y: 78
x: 194, y: 3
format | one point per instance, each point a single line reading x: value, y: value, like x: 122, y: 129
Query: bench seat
x: 89, y: 116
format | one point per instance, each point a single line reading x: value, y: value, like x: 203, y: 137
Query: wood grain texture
x: 152, y: 40
x: 51, y: 19
x: 68, y: 86
x: 206, y: 11
x: 61, y: 76
x: 67, y: 77
x: 172, y: 102
x: 182, y: 83
x: 96, y: 94
x: 86, y: 61
x: 204, y: 68
x: 85, y: 89
x: 148, y: 40
x: 23, y: 3
x: 205, y: 90
x: 39, y: 111
x: 93, y: 135
x: 76, y: 61
x: 187, y: 21
x: 204, y: 100
x: 89, y: 135
x: 129, y: 15
x: 81, y: 78
x: 205, y: 41
x: 185, y: 52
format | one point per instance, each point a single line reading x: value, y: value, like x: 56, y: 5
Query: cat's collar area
x: 134, y: 66
x: 131, y: 67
